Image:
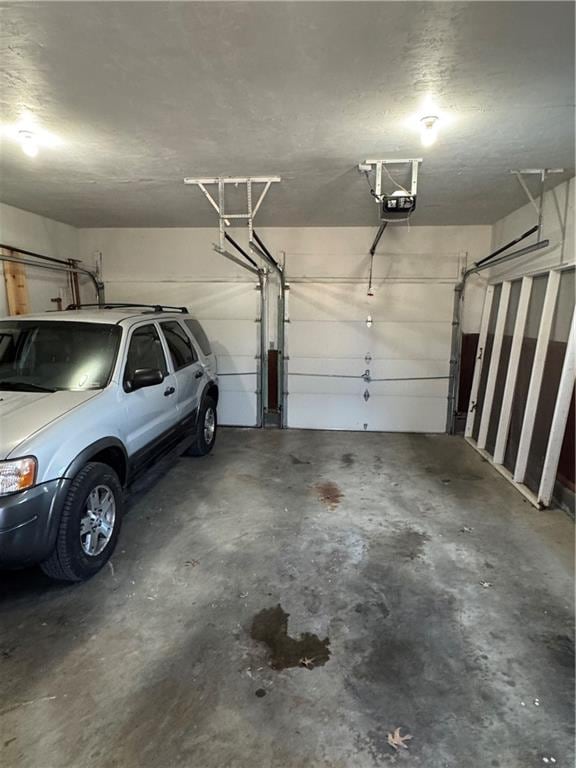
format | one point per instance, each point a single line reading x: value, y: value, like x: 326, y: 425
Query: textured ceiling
x: 143, y: 94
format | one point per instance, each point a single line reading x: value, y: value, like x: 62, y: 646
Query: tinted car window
x: 180, y: 346
x: 199, y: 335
x: 56, y: 355
x: 145, y: 351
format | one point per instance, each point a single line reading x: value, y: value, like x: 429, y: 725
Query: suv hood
x: 24, y: 413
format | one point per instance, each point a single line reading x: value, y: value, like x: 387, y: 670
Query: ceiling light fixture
x: 28, y: 143
x: 428, y: 130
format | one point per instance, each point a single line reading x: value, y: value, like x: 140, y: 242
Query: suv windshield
x: 50, y: 355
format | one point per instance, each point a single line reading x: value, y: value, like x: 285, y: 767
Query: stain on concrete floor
x: 150, y: 665
x: 270, y: 626
x: 329, y: 493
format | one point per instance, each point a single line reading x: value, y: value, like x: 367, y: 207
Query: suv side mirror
x: 146, y: 377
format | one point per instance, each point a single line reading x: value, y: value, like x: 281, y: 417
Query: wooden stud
x: 16, y: 287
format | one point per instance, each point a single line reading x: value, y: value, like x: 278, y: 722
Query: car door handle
x: 169, y: 391
x: 198, y: 374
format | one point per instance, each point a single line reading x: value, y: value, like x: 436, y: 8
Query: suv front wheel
x: 89, y: 524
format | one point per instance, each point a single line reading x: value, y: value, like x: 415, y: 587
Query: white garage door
x: 331, y: 344
x: 227, y: 312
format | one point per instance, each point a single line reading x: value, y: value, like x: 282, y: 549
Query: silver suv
x: 88, y: 400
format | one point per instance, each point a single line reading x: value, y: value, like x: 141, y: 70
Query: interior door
x: 188, y: 370
x: 150, y: 413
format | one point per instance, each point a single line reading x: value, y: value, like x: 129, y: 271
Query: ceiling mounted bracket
x: 221, y: 182
x: 377, y: 166
x: 542, y: 173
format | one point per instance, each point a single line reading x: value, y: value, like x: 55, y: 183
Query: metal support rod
x: 508, y: 245
x: 379, y: 234
x: 56, y: 267
x: 221, y: 217
x: 263, y: 388
x: 241, y: 250
x: 235, y: 259
x: 541, y: 203
x: 259, y: 247
x: 526, y: 190
x: 261, y: 198
x: 542, y: 173
x: 266, y: 251
x: 515, y: 254
x: 373, y: 247
x: 36, y: 255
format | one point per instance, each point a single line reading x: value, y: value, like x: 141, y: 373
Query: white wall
x: 179, y: 266
x: 171, y: 257
x: 21, y: 229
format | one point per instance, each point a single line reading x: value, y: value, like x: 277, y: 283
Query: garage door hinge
x: 366, y: 395
x: 366, y: 376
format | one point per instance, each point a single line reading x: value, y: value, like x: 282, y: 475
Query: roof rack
x: 120, y: 305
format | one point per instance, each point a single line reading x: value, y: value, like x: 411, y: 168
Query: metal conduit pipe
x: 98, y: 285
x: 459, y: 290
x: 36, y: 255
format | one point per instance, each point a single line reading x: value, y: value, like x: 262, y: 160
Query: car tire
x: 89, y: 524
x: 206, y: 429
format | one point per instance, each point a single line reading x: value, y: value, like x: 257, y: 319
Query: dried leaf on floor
x: 396, y: 740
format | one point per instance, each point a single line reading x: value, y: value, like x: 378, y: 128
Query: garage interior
x: 375, y: 565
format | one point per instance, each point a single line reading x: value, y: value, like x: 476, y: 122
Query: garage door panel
x: 378, y: 367
x: 391, y: 340
x: 231, y: 338
x: 408, y: 338
x: 390, y: 265
x: 245, y: 384
x: 391, y: 302
x: 204, y: 300
x: 323, y: 385
x: 406, y: 413
x: 343, y: 377
x: 234, y: 364
x: 227, y: 312
x: 237, y: 409
x: 317, y: 385
x: 322, y: 411
x: 379, y: 414
x: 387, y: 368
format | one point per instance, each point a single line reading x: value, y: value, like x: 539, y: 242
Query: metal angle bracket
x: 221, y: 182
x: 377, y: 167
x: 542, y: 173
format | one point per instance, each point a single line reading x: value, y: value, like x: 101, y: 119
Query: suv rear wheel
x: 205, y: 430
x: 89, y: 525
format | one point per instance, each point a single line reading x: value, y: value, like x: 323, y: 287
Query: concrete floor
x: 447, y: 600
